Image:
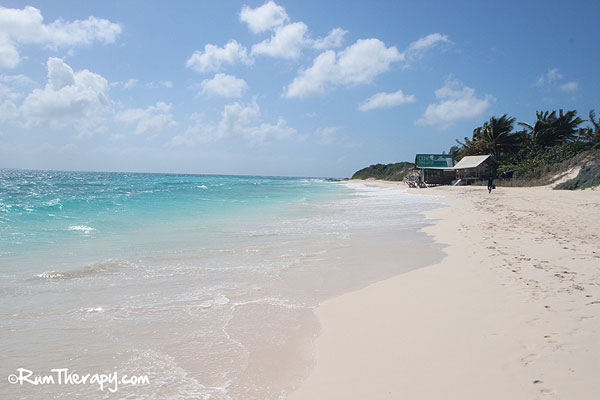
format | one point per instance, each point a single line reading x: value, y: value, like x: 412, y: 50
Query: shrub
x: 390, y: 172
x: 588, y: 177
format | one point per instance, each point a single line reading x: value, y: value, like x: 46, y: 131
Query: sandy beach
x: 512, y: 311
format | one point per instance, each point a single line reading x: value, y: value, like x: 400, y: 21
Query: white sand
x: 512, y: 312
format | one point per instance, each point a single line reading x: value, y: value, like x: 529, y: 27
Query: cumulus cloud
x: 457, y: 102
x: 214, y: 57
x: 265, y: 17
x: 386, y: 100
x: 357, y: 64
x: 79, y: 99
x: 151, y: 120
x: 223, y: 85
x: 334, y: 39
x: 288, y: 39
x: 237, y: 121
x: 27, y: 26
x: 287, y: 42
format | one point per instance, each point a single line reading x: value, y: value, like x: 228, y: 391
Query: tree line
x: 553, y: 137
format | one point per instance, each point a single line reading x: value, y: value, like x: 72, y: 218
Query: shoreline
x: 510, y: 312
x: 231, y: 317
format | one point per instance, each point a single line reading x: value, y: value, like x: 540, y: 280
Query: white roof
x: 471, y: 162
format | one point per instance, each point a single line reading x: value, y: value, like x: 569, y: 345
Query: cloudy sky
x: 295, y: 88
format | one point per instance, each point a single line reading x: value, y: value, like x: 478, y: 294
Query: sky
x: 285, y: 88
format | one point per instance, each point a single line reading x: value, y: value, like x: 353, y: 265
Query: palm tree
x: 542, y: 124
x: 495, y: 136
x: 455, y: 151
x: 468, y: 148
x: 565, y: 126
x: 550, y: 130
x: 593, y: 134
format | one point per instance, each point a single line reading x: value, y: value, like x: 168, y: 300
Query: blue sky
x: 295, y: 88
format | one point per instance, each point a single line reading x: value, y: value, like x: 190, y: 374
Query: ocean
x: 204, y: 284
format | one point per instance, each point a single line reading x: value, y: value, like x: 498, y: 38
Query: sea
x: 197, y: 286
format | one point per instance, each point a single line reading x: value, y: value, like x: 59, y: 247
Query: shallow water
x: 206, y: 284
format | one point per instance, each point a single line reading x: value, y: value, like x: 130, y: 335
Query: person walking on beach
x: 490, y: 183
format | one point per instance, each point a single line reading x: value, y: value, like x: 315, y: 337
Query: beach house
x: 435, y: 169
x: 475, y: 168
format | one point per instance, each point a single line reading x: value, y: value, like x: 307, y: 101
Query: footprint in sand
x: 528, y: 359
x: 550, y: 339
x: 545, y: 389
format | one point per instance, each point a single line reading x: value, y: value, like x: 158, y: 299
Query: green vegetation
x: 550, y: 172
x: 529, y: 162
x: 535, y: 154
x: 530, y: 155
x: 588, y: 177
x: 388, y: 172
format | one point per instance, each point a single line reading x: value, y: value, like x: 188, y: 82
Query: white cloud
x: 12, y: 86
x: 79, y: 99
x: 213, y: 57
x: 571, y: 86
x: 333, y: 40
x: 128, y: 84
x: 425, y: 43
x: 27, y: 26
x: 553, y: 80
x: 237, y: 121
x: 457, y: 102
x: 549, y: 77
x: 236, y: 116
x: 267, y: 133
x: 265, y: 17
x: 358, y: 64
x: 326, y: 135
x: 132, y: 83
x: 17, y: 80
x: 223, y: 85
x: 151, y: 120
x: 287, y: 42
x: 8, y: 111
x: 167, y: 84
x: 386, y: 100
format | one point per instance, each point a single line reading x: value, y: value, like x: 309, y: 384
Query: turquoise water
x: 207, y: 284
x: 46, y: 213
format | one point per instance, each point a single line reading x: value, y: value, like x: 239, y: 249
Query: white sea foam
x: 53, y: 202
x: 106, y: 267
x: 83, y: 228
x: 217, y: 301
x: 92, y: 310
x: 50, y: 275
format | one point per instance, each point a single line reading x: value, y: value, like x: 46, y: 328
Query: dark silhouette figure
x: 490, y: 183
